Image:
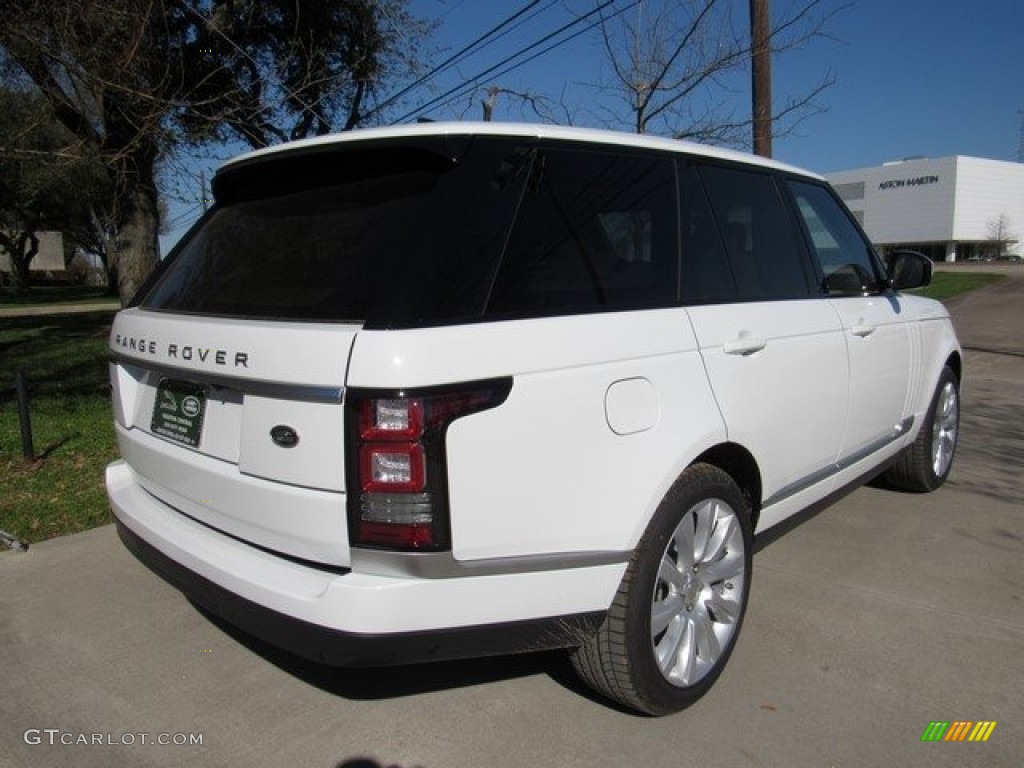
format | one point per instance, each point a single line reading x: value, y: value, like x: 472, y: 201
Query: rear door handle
x: 744, y: 345
x: 863, y: 331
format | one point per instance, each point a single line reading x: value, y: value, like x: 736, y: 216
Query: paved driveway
x: 872, y: 619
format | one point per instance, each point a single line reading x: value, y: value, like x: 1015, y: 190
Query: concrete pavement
x: 991, y: 318
x: 870, y: 620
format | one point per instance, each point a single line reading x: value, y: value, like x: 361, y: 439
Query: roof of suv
x: 557, y: 132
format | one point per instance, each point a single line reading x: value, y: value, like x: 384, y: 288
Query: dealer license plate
x: 178, y: 411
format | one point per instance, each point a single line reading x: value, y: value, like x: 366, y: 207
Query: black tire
x: 927, y: 463
x: 707, y: 602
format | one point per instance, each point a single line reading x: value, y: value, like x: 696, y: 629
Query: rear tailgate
x: 238, y: 424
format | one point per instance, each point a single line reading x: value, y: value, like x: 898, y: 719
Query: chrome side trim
x: 443, y: 565
x: 802, y: 485
x: 824, y: 473
x: 273, y: 389
x: 897, y: 432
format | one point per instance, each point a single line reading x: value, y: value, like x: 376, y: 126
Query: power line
x: 188, y: 215
x: 472, y: 80
x: 458, y: 91
x: 519, y: 23
x: 564, y: 40
x: 455, y: 57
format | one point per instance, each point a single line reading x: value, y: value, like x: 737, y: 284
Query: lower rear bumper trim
x: 350, y: 649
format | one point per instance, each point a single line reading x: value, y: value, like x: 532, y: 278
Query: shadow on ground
x: 378, y: 683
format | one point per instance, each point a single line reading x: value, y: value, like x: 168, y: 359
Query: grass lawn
x: 64, y: 359
x: 55, y: 294
x: 946, y: 285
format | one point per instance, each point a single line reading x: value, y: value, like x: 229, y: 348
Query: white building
x: 947, y: 208
x: 50, y: 257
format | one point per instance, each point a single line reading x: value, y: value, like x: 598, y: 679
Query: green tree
x: 47, y: 181
x: 134, y: 79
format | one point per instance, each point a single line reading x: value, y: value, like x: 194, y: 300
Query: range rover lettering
x: 453, y: 390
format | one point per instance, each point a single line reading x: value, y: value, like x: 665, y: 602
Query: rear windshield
x: 404, y: 236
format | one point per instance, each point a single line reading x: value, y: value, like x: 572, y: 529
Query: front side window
x: 847, y: 261
x: 596, y: 231
x: 760, y: 241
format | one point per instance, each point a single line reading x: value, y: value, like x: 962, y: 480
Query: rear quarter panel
x: 605, y: 412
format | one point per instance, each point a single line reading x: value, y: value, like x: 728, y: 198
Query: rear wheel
x: 678, y: 611
x: 926, y: 465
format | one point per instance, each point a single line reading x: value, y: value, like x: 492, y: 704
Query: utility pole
x: 1020, y: 146
x: 490, y: 102
x: 761, y: 76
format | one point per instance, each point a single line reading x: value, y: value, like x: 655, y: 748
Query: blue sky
x: 912, y: 77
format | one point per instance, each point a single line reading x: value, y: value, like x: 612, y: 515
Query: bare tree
x: 536, y: 105
x: 1000, y: 234
x: 671, y: 62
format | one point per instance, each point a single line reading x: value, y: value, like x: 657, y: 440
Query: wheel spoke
x: 674, y: 646
x: 664, y: 611
x: 722, y: 533
x: 728, y: 568
x: 669, y: 573
x: 950, y: 407
x: 684, y: 659
x: 684, y: 544
x: 703, y: 516
x: 724, y: 610
x: 708, y: 647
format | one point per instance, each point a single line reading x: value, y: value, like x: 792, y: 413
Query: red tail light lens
x: 392, y: 467
x: 397, y: 479
x: 391, y: 418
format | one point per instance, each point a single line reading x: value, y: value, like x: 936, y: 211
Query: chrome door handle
x: 744, y: 345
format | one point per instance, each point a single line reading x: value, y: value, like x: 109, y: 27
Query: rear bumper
x: 355, y: 619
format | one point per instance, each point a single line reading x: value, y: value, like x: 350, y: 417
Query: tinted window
x: 763, y: 249
x: 392, y: 235
x: 595, y: 231
x: 847, y: 262
x: 706, y: 276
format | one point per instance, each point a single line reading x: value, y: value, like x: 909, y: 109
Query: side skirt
x: 779, y: 530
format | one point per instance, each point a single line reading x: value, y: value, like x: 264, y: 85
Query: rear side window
x: 760, y: 241
x: 595, y: 231
x: 846, y: 260
x: 707, y: 277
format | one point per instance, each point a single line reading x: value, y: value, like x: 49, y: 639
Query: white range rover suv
x: 453, y: 390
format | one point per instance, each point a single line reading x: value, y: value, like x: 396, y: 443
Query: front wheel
x: 679, y: 608
x: 927, y: 463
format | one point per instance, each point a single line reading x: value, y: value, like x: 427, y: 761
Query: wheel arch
x: 737, y: 462
x: 956, y: 364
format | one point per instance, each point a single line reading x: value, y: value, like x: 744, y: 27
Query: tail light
x: 397, y: 474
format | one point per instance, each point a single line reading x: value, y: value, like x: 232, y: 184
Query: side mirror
x: 908, y: 270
